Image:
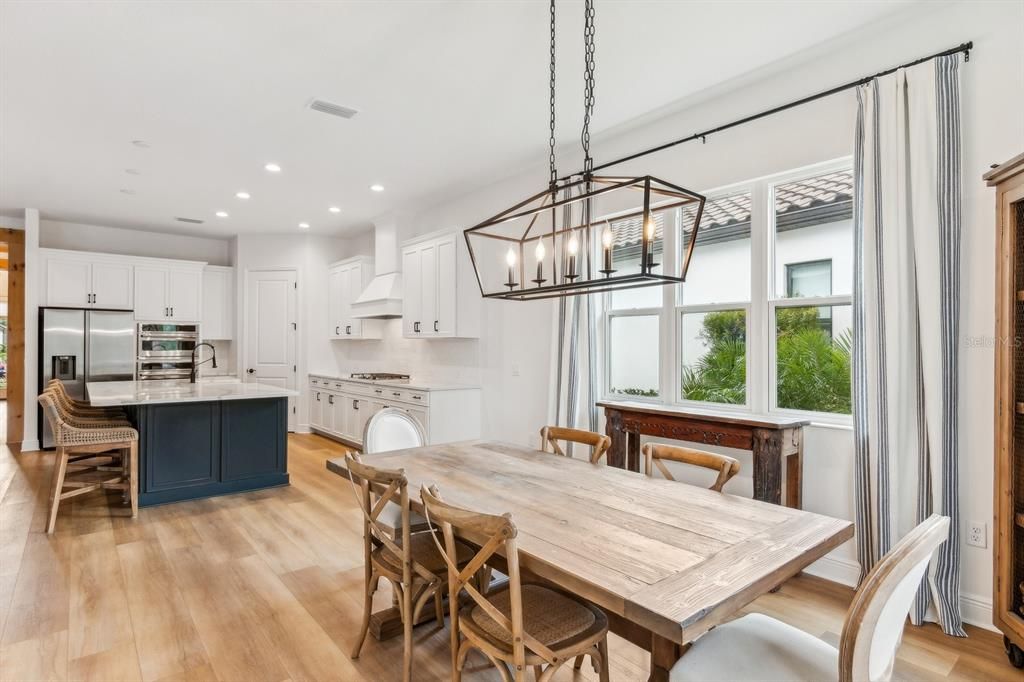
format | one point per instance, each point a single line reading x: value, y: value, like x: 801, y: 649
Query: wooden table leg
x: 613, y: 429
x: 767, y: 452
x: 664, y: 654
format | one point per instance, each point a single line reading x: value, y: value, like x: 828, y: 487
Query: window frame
x: 760, y: 309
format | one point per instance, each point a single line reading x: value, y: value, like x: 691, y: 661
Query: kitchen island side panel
x: 193, y: 450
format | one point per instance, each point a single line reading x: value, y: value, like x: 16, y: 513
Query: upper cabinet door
x: 445, y: 286
x: 151, y: 294
x: 412, y: 298
x: 353, y: 287
x: 218, y: 286
x: 428, y: 290
x: 335, y: 303
x: 68, y: 283
x: 112, y: 285
x: 185, y: 294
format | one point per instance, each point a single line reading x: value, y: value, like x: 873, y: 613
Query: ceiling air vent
x: 194, y: 221
x: 332, y: 108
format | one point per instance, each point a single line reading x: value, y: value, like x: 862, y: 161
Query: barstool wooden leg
x: 133, y: 476
x: 60, y: 467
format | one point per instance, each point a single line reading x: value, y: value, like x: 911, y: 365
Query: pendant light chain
x: 588, y: 78
x: 551, y: 104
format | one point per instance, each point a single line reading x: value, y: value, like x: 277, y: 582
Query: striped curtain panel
x: 906, y: 308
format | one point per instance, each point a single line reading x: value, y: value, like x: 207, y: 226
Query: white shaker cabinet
x: 81, y: 281
x: 340, y: 408
x: 441, y: 297
x: 346, y: 280
x: 218, y: 302
x: 168, y: 293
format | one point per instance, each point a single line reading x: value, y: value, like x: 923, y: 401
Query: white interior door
x: 271, y: 330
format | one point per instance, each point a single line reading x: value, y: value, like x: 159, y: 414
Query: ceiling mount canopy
x: 567, y: 239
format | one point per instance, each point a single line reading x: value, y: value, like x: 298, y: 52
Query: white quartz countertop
x: 413, y: 383
x: 116, y: 393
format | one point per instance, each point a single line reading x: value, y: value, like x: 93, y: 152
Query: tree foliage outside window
x: 813, y: 369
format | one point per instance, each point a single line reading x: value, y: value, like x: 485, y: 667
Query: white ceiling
x: 451, y: 94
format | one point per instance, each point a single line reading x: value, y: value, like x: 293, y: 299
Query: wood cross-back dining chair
x: 656, y: 454
x: 551, y: 435
x: 516, y: 625
x: 410, y: 562
x: 759, y: 647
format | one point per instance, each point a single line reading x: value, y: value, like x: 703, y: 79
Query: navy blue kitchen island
x: 203, y: 439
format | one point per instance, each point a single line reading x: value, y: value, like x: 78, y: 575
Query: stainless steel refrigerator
x: 78, y: 346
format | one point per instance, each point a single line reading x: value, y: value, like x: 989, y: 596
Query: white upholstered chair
x: 394, y: 429
x: 756, y: 647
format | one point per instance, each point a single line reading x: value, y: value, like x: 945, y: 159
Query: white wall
x: 54, y: 234
x: 517, y: 335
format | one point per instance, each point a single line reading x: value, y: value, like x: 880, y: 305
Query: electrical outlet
x: 977, y: 534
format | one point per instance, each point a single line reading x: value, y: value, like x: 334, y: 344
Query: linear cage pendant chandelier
x: 584, y: 233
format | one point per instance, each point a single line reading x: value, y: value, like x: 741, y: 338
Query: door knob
x: 250, y: 371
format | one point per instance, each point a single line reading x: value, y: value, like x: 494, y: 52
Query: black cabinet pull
x: 172, y: 312
x: 348, y: 329
x: 355, y: 404
x: 336, y: 330
x: 318, y: 396
x: 435, y: 326
x: 377, y: 391
x: 330, y: 399
x: 417, y: 397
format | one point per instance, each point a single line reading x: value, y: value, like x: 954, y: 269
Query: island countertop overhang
x: 124, y: 393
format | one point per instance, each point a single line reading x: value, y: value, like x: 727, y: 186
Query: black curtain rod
x: 963, y: 47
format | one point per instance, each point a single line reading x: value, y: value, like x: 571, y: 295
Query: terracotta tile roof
x: 810, y: 194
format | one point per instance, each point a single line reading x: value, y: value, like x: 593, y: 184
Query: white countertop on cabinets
x: 414, y: 383
x: 118, y: 393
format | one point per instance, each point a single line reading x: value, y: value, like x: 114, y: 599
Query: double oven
x: 165, y: 350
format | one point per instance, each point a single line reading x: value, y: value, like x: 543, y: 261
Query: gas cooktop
x: 380, y: 376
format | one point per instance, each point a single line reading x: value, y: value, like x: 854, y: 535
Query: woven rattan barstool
x: 87, y: 453
x: 81, y: 408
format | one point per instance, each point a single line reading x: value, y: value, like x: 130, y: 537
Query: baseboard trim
x: 29, y: 445
x: 973, y: 609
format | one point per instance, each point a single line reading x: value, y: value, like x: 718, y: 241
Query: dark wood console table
x: 772, y: 440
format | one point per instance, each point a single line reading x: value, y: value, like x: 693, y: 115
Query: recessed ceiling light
x: 242, y: 195
x: 273, y: 168
x: 141, y: 144
x: 377, y: 188
x: 132, y: 171
x: 222, y: 214
x: 127, y: 191
x: 304, y: 226
x: 334, y: 209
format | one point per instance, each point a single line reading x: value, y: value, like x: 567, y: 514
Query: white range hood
x: 382, y: 297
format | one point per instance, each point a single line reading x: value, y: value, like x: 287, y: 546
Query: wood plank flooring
x: 266, y: 585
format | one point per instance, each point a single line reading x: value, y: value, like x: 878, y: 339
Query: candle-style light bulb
x: 606, y: 241
x: 574, y: 244
x: 649, y: 228
x: 510, y: 258
x: 539, y: 253
x: 574, y: 247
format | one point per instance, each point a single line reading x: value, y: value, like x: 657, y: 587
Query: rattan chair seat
x: 555, y: 619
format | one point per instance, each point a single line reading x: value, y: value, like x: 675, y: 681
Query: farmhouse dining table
x: 666, y: 561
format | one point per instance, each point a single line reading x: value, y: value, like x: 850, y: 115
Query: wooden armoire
x: 1008, y: 560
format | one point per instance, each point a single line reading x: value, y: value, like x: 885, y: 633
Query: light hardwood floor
x: 266, y: 585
